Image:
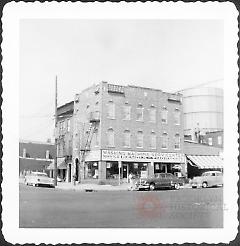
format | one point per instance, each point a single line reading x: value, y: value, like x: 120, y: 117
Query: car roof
x: 38, y: 173
x: 213, y: 172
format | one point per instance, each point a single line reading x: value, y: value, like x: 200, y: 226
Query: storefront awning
x: 61, y: 164
x: 206, y: 161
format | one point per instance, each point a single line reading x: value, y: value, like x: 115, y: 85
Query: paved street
x: 185, y: 208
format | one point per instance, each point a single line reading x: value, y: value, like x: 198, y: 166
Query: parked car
x: 39, y: 178
x: 208, y: 179
x: 159, y: 180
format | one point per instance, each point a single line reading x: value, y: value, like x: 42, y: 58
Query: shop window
x: 177, y: 141
x: 152, y: 114
x: 126, y: 138
x: 138, y: 169
x: 139, y: 112
x: 153, y: 140
x: 112, y: 171
x: 164, y: 141
x: 139, y: 139
x: 164, y: 117
x: 177, y: 115
x: 111, y: 110
x: 110, y: 137
x: 92, y: 170
x: 126, y: 112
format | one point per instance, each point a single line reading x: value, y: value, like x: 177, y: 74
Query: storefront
x: 142, y: 164
x: 197, y: 164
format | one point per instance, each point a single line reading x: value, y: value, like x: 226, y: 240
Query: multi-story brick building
x: 121, y: 129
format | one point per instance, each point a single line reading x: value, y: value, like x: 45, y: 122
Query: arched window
x: 126, y: 112
x: 153, y: 140
x: 164, y: 117
x: 139, y: 139
x: 111, y: 110
x: 126, y: 138
x: 164, y: 140
x: 110, y: 137
x: 152, y: 114
x: 177, y: 141
x: 177, y: 116
x: 139, y: 112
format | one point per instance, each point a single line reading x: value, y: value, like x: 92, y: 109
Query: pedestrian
x: 130, y: 176
x: 74, y: 179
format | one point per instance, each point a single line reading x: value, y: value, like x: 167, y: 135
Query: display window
x: 112, y: 171
x: 92, y: 170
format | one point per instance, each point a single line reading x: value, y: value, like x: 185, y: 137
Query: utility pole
x: 56, y: 137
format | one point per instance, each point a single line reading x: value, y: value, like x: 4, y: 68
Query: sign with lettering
x: 115, y: 88
x: 115, y: 155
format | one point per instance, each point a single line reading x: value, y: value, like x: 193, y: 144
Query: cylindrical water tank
x: 203, y: 109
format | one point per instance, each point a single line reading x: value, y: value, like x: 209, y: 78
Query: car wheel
x: 204, y: 184
x: 152, y: 186
x: 176, y: 186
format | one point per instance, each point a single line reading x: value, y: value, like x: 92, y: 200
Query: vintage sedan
x: 159, y: 180
x: 207, y: 179
x: 39, y: 178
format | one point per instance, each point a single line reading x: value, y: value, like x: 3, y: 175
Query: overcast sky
x: 166, y: 54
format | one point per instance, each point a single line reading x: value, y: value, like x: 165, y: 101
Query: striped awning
x: 61, y: 164
x: 206, y: 161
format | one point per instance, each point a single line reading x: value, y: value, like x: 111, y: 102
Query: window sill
x: 164, y: 147
x: 108, y: 146
x: 127, y: 147
x: 126, y: 119
x: 111, y: 118
x: 140, y: 120
x: 138, y: 147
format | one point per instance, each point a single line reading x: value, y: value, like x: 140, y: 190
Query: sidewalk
x: 91, y: 187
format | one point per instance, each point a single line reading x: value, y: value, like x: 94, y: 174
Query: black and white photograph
x: 120, y: 123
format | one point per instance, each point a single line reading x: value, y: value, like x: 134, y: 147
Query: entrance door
x: 125, y: 170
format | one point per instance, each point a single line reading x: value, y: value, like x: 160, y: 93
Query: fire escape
x: 94, y: 119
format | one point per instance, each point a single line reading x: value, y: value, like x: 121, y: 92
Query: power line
x: 199, y: 85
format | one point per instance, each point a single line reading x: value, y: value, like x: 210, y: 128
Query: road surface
x: 185, y: 208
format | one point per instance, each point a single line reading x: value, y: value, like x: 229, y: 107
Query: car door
x: 168, y: 178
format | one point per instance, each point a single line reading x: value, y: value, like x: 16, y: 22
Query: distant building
x: 203, y: 111
x: 215, y: 138
x: 116, y: 130
x: 35, y: 156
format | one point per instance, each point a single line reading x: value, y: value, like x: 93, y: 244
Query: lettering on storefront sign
x: 112, y: 155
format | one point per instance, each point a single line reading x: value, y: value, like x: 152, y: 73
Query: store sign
x: 113, y: 155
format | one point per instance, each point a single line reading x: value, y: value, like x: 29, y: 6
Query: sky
x: 170, y: 55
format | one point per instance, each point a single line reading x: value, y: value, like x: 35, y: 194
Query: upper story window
x: 110, y: 137
x: 139, y: 139
x: 164, y: 117
x: 126, y: 112
x: 24, y: 153
x: 96, y: 137
x: 47, y: 154
x: 209, y: 141
x: 177, y: 141
x: 139, y: 112
x: 219, y: 140
x: 68, y: 125
x: 126, y: 138
x: 153, y: 140
x: 111, y: 110
x: 164, y: 140
x: 177, y: 116
x: 152, y: 114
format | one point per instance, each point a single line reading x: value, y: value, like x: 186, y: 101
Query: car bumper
x: 142, y: 186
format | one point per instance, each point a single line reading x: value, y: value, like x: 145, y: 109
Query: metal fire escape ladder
x: 87, y: 146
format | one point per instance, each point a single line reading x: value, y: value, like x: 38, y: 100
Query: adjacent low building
x: 35, y: 156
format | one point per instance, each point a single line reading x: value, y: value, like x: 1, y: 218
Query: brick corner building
x: 114, y: 130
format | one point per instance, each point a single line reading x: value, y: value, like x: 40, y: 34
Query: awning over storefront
x: 206, y: 161
x: 61, y: 164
